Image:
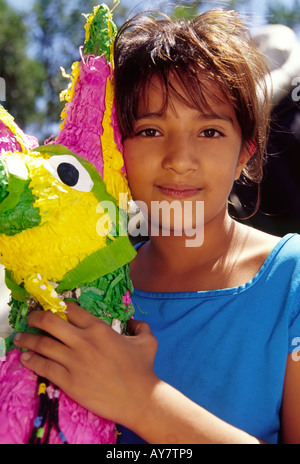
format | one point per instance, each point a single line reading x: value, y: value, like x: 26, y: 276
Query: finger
x: 144, y: 339
x: 47, y: 368
x: 135, y: 327
x: 79, y: 317
x: 60, y: 329
x: 43, y: 345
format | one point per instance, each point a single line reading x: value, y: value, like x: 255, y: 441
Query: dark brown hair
x: 215, y: 44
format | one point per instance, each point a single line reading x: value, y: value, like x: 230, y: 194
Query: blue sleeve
x: 294, y: 297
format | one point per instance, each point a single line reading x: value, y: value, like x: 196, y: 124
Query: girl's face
x: 183, y: 154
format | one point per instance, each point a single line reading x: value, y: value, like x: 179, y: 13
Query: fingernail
x: 17, y: 337
x: 26, y: 356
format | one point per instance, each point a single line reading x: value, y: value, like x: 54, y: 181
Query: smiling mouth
x: 178, y: 191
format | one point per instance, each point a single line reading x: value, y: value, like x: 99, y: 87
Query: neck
x: 167, y: 264
x: 171, y: 250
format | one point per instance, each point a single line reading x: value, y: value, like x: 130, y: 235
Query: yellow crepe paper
x: 115, y: 181
x: 67, y: 94
x: 65, y: 212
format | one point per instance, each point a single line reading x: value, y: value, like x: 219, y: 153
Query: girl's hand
x: 112, y: 375
x: 107, y: 373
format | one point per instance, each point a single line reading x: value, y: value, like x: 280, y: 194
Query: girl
x: 220, y: 364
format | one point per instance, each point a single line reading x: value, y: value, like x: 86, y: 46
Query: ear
x: 247, y: 151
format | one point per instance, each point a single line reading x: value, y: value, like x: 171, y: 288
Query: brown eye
x: 149, y: 133
x: 210, y: 133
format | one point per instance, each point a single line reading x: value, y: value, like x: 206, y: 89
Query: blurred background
x: 37, y: 37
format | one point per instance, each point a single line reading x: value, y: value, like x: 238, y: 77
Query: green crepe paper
x: 14, y: 189
x: 18, y: 321
x: 17, y: 212
x: 101, y: 37
x: 18, y: 292
x: 118, y: 253
x: 104, y: 297
x: 3, y: 182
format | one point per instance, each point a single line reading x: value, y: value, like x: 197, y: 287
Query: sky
x: 257, y: 6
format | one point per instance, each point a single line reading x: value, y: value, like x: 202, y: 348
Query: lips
x: 178, y: 191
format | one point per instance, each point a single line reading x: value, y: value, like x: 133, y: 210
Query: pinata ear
x: 12, y: 138
x: 89, y: 124
x: 100, y: 31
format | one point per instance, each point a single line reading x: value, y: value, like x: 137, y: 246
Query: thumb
x: 135, y: 327
x: 144, y: 340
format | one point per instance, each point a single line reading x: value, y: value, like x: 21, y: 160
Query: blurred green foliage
x: 23, y: 76
x: 33, y: 47
x: 280, y: 12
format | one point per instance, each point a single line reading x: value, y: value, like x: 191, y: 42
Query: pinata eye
x: 68, y: 170
x: 68, y: 174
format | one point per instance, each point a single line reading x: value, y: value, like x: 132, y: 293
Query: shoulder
x: 291, y: 246
x: 261, y: 244
x: 287, y: 260
x: 261, y: 248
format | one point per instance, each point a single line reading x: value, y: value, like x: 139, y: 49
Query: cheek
x: 131, y: 163
x: 140, y: 164
x: 133, y: 177
x: 220, y: 178
x: 127, y: 157
x: 133, y: 155
x: 136, y: 174
x: 228, y: 163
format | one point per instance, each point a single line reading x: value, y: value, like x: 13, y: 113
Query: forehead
x: 159, y: 95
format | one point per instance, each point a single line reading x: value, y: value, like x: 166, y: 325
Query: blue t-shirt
x: 227, y: 349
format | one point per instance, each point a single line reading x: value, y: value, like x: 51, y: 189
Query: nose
x: 180, y: 155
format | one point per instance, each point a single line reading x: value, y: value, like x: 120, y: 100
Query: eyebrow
x: 161, y: 115
x: 214, y: 116
x: 206, y: 116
